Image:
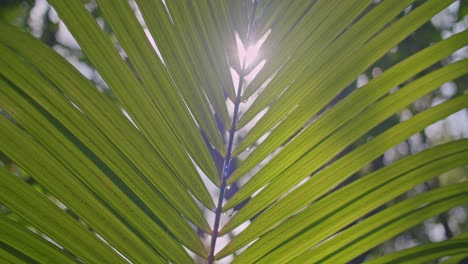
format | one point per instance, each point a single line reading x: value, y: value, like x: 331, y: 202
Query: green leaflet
x: 160, y: 86
x: 344, y: 167
x: 336, y: 67
x: 289, y: 168
x: 55, y: 177
x: 302, y: 196
x: 71, y: 155
x: 111, y: 196
x: 157, y: 122
x: 7, y: 256
x: 349, y: 107
x: 31, y: 244
x: 200, y: 38
x: 383, y: 226
x: 338, y: 210
x: 426, y: 253
x: 180, y: 64
x: 324, y: 21
x: 49, y: 219
x: 121, y: 136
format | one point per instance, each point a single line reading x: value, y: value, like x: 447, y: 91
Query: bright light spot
x: 250, y: 52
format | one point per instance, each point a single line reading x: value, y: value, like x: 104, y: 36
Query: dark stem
x: 227, y: 159
x: 225, y: 175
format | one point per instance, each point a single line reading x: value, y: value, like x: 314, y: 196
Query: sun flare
x: 248, y: 53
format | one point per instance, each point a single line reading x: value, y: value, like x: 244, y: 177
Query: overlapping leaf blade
x: 59, y: 180
x: 323, y: 21
x: 279, y: 186
x: 322, y: 183
x: 428, y: 252
x: 382, y: 226
x: 49, y: 219
x: 155, y: 121
x: 31, y: 244
x: 295, y: 170
x: 117, y: 136
x: 366, y: 95
x: 337, y: 172
x: 56, y: 142
x: 335, y: 68
x: 182, y: 62
x: 339, y: 209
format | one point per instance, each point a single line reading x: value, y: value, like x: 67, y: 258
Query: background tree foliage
x: 322, y: 147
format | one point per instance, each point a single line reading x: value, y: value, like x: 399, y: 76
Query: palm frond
x: 131, y: 179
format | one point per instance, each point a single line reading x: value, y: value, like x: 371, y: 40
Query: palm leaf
x: 131, y: 179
